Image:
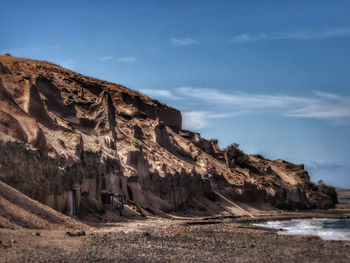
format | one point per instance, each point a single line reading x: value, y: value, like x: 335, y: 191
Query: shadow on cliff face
x: 156, y: 191
x: 167, y: 141
x: 49, y: 180
x: 150, y: 190
x: 53, y: 99
x: 17, y: 209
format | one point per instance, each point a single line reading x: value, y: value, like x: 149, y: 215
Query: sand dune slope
x: 18, y: 210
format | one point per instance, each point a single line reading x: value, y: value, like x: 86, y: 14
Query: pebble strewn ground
x: 171, y: 241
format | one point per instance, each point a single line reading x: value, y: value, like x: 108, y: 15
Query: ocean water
x: 327, y: 229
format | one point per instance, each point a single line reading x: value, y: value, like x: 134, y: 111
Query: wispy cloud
x: 69, y: 63
x: 321, y: 105
x: 127, y: 59
x: 185, y: 41
x: 218, y: 104
x: 24, y: 51
x: 292, y: 35
x: 54, y: 47
x: 242, y: 38
x: 105, y: 58
x: 159, y: 93
x: 197, y: 120
x: 324, y: 165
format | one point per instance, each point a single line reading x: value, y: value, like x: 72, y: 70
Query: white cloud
x: 197, y: 120
x: 186, y: 41
x: 194, y: 120
x: 127, y: 59
x: 321, y: 106
x: 159, y: 93
x: 292, y: 35
x: 105, y: 58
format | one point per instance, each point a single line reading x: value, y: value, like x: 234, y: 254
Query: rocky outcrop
x: 65, y: 137
x: 211, y: 147
x: 4, y: 69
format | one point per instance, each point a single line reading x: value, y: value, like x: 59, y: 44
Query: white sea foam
x: 327, y: 229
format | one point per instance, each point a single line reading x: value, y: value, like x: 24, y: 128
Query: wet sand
x: 165, y: 240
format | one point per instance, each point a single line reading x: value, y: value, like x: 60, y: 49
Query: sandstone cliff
x: 64, y: 136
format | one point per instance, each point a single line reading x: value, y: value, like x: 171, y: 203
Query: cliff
x: 64, y: 137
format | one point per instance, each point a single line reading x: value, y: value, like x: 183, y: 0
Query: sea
x: 327, y: 229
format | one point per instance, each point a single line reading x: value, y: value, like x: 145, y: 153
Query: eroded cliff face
x: 62, y: 132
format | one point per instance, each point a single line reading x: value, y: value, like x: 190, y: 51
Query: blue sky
x: 273, y: 76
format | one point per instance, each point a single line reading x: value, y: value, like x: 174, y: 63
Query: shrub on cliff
x: 328, y: 190
x: 235, y: 156
x: 320, y: 195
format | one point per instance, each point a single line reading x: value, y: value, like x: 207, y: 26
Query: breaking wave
x: 327, y: 229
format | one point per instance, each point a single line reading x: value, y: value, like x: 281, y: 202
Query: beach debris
x: 75, y: 234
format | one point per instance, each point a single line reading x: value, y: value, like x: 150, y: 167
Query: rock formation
x: 63, y: 134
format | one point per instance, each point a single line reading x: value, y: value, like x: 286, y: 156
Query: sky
x: 273, y: 76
